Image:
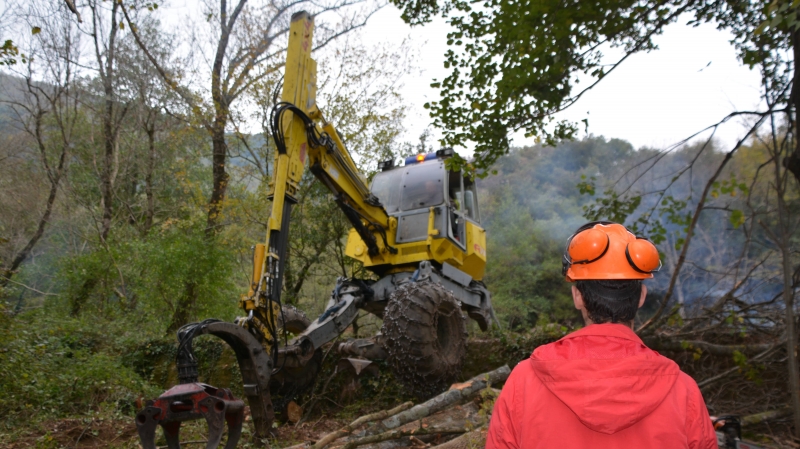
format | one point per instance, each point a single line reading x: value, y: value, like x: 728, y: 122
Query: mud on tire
x: 425, y: 336
x: 290, y: 383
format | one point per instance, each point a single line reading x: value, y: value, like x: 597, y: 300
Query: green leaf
x: 743, y: 186
x: 737, y: 218
x: 739, y: 358
x: 36, y: 30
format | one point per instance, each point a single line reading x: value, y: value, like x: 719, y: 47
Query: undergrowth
x: 57, y: 368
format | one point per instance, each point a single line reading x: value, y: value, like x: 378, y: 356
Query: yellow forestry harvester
x: 417, y: 228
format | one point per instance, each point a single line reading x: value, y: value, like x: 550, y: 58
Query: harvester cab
x: 408, y: 192
x: 416, y: 227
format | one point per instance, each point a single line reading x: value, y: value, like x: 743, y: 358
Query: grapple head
x: 188, y: 402
x: 192, y: 400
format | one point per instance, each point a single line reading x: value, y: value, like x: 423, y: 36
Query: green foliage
x: 52, y: 366
x: 488, y: 397
x: 751, y: 371
x: 587, y: 187
x: 780, y: 14
x: 525, y: 273
x: 731, y: 187
x: 651, y: 223
x: 513, y: 71
x: 149, y: 276
x: 514, y: 64
x: 516, y: 347
x: 611, y: 206
x: 9, y: 53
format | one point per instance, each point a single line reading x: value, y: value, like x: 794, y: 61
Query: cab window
x: 384, y: 186
x: 470, y: 204
x: 422, y: 185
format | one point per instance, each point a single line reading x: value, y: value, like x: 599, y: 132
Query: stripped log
x: 456, y: 394
x: 469, y: 440
x: 757, y: 418
x: 395, y: 434
x: 348, y: 429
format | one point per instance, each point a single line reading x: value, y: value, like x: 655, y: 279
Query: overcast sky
x: 653, y: 99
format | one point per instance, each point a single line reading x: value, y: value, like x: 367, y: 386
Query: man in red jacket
x: 601, y: 387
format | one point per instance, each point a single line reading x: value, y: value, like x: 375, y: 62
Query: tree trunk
x: 788, y: 299
x: 54, y: 177
x: 148, y: 181
x: 184, y: 307
x: 220, y: 177
x: 788, y: 290
x: 79, y: 300
x: 792, y: 162
x: 109, y: 127
x: 107, y: 174
x: 43, y: 221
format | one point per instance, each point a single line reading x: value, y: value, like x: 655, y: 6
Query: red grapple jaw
x: 188, y: 402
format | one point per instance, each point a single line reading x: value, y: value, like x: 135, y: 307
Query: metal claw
x: 187, y: 402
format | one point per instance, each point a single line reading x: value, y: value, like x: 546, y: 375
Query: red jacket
x: 599, y: 387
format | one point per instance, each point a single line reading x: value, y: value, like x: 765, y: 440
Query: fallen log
x: 348, y: 429
x: 757, y: 418
x: 456, y: 394
x: 395, y: 434
x: 472, y: 439
x: 664, y: 344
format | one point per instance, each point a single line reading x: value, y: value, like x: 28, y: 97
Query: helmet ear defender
x: 602, y: 242
x: 645, y: 252
x: 567, y: 261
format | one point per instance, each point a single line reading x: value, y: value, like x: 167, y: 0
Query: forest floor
x: 121, y: 433
x: 338, y: 400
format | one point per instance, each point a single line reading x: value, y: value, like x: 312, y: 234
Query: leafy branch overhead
x: 515, y: 63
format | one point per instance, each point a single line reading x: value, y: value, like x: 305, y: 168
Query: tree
x: 44, y: 104
x: 152, y: 106
x: 515, y: 63
x: 105, y: 27
x: 249, y: 47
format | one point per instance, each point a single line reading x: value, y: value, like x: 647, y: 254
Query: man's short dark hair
x: 611, y: 301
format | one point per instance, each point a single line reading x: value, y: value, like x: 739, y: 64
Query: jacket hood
x: 605, y: 375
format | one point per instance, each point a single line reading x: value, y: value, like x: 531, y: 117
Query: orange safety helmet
x: 607, y: 250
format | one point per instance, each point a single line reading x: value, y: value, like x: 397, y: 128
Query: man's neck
x: 588, y: 321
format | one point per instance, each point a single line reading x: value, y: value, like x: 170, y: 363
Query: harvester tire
x: 290, y: 383
x: 425, y: 336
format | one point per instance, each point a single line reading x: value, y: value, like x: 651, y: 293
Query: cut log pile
x: 450, y: 420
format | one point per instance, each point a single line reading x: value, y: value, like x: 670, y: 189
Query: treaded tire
x: 425, y: 336
x: 290, y: 383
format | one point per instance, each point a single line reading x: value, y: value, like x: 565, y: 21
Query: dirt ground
x: 96, y: 434
x: 75, y: 433
x: 121, y: 433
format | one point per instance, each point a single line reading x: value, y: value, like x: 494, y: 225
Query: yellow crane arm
x: 300, y: 140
